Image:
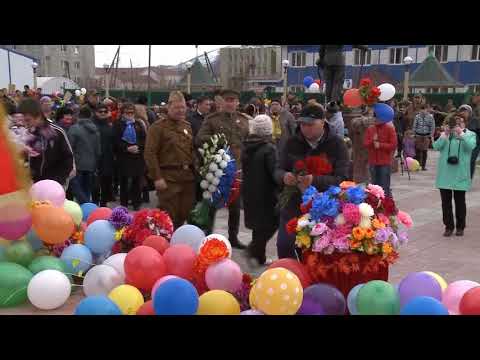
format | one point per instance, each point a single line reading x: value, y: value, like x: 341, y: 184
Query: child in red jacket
x: 381, y: 142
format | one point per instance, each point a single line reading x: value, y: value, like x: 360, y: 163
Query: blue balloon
x: 307, y: 81
x: 34, y: 240
x: 87, y: 209
x: 97, y: 305
x: 100, y: 237
x: 424, y: 305
x: 175, y: 297
x: 383, y: 112
x: 352, y: 299
x: 77, y: 257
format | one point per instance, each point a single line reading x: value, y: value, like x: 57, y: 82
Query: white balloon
x: 101, y: 279
x: 83, y: 91
x: 189, y: 235
x: 387, y: 91
x: 78, y: 93
x: 49, y: 289
x: 314, y: 87
x: 221, y: 238
x: 117, y: 262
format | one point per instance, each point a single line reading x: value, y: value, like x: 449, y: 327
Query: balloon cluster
x: 311, y: 84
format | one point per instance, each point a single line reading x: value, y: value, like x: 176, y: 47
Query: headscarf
x: 129, y: 134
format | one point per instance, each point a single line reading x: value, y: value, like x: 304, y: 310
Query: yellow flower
x: 119, y: 234
x: 377, y: 224
x: 387, y: 248
x: 303, y: 240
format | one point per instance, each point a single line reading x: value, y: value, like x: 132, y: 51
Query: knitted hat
x: 466, y: 107
x: 262, y: 125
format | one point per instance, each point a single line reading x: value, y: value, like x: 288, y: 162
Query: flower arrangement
x: 368, y: 92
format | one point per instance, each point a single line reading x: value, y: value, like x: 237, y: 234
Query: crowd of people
x: 104, y: 150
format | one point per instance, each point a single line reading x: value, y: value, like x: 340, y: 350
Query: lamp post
x: 407, y: 61
x: 189, y: 77
x: 285, y: 64
x: 107, y: 81
x: 34, y: 67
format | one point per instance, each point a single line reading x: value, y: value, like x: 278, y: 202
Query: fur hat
x: 262, y: 125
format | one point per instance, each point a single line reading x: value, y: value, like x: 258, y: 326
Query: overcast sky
x: 161, y: 54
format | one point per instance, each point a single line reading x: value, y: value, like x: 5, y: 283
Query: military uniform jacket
x: 235, y: 127
x: 169, y: 151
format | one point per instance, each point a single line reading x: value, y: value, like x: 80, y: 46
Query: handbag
x: 453, y: 160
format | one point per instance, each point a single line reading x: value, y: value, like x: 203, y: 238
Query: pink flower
x: 405, y: 219
x: 376, y: 190
x: 351, y: 213
x: 341, y: 243
x: 322, y: 242
x: 319, y: 229
x: 384, y: 219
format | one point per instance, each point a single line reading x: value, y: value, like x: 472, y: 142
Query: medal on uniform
x: 238, y: 121
x: 185, y: 131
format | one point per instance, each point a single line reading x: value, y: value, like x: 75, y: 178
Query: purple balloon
x: 327, y: 299
x: 310, y: 307
x: 418, y: 284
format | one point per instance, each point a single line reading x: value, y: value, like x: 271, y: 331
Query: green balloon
x: 47, y: 263
x: 42, y: 252
x: 20, y: 252
x: 74, y: 210
x: 378, y: 298
x: 14, y: 281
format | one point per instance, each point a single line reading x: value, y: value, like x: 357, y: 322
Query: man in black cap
x: 314, y: 140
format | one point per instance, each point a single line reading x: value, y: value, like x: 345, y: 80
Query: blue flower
x: 333, y: 191
x: 323, y: 205
x: 309, y: 193
x: 356, y: 195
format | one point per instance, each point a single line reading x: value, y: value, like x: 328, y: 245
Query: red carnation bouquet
x: 368, y: 92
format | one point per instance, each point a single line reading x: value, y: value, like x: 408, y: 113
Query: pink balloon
x: 161, y: 281
x: 48, y: 190
x: 180, y: 261
x: 224, y: 275
x: 15, y: 221
x: 454, y: 292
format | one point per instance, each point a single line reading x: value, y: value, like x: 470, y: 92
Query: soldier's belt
x: 177, y: 167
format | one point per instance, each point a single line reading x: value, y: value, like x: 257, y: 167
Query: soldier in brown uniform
x: 170, y: 160
x: 235, y: 127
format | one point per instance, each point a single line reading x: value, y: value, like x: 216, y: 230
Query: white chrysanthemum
x: 365, y: 222
x: 226, y: 157
x: 204, y: 184
x: 212, y: 188
x: 206, y: 195
x: 209, y: 177
x: 213, y: 167
x: 205, y: 146
x: 216, y: 181
x: 365, y: 210
x: 340, y: 220
x: 221, y: 152
x: 201, y: 151
x: 217, y: 158
x: 223, y: 164
x: 218, y: 174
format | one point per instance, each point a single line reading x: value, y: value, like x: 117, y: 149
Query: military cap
x: 229, y: 92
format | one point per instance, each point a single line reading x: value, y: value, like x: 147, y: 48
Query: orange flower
x: 358, y: 233
x: 344, y: 185
x: 369, y: 247
x: 369, y: 233
x: 355, y: 244
x: 377, y: 224
x: 387, y: 248
x: 212, y: 251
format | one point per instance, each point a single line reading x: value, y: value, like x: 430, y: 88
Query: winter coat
x: 195, y: 119
x: 455, y: 176
x: 336, y: 125
x: 288, y: 125
x: 387, y: 137
x: 129, y: 164
x: 85, y: 140
x: 260, y: 189
x: 106, y: 161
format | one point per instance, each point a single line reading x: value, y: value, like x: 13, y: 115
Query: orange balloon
x: 352, y: 98
x: 51, y: 224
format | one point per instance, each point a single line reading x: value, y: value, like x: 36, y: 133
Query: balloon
x: 307, y: 81
x: 387, y: 91
x: 83, y: 91
x: 87, y: 209
x: 117, y: 262
x: 441, y: 281
x: 383, y: 112
x: 78, y: 93
x: 318, y: 82
x: 454, y: 293
x: 77, y: 258
x: 378, y: 297
x: 314, y: 87
x: 470, y: 303
x: 296, y: 267
x: 278, y: 292
x: 34, y: 240
x: 47, y: 263
x: 146, y: 309
x: 14, y: 280
x: 161, y: 281
x: 180, y: 261
x: 352, y: 299
x: 49, y: 289
x: 418, y: 284
x: 15, y: 220
x: 97, y: 305
x: 20, y: 252
x: 100, y: 237
x: 328, y: 297
x: 176, y: 297
x: 221, y: 238
x: 2, y: 252
x: 189, y: 235
x: 48, y: 190
x: 424, y: 305
x: 100, y: 280
x: 412, y: 164
x: 101, y: 213
x: 352, y: 98
x: 159, y: 243
x: 74, y: 210
x: 310, y: 307
x: 128, y: 298
x: 144, y: 266
x: 53, y: 225
x: 224, y: 275
x: 251, y: 312
x: 217, y: 302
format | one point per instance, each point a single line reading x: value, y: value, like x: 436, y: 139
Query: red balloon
x: 180, y: 261
x: 143, y: 266
x: 159, y: 243
x: 101, y: 213
x: 352, y: 98
x: 470, y: 303
x: 295, y: 267
x: 318, y: 82
x: 146, y: 309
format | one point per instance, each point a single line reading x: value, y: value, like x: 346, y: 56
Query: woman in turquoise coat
x: 453, y: 172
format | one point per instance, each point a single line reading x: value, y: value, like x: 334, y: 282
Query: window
x: 359, y: 60
x: 475, y: 52
x: 273, y: 62
x: 299, y: 59
x: 440, y: 52
x: 398, y: 54
x: 63, y: 48
x: 77, y: 65
x: 474, y: 88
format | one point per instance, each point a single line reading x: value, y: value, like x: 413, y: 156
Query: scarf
x: 129, y: 134
x: 277, y: 127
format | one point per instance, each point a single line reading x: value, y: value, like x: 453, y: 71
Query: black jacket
x: 105, y: 165
x: 297, y: 148
x: 260, y: 189
x: 129, y: 164
x: 195, y: 120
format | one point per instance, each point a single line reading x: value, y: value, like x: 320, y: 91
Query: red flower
x: 389, y: 208
x: 300, y: 166
x: 291, y: 226
x: 372, y: 201
x: 318, y: 165
x: 306, y: 208
x: 141, y: 235
x: 365, y: 82
x: 375, y: 92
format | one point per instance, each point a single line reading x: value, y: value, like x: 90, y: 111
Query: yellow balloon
x: 74, y: 210
x: 128, y: 298
x: 278, y: 291
x: 218, y: 302
x: 440, y: 280
x: 251, y: 298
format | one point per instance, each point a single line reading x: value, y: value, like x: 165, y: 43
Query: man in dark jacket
x: 85, y: 140
x: 313, y: 140
x: 196, y: 117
